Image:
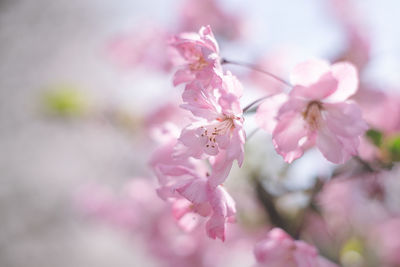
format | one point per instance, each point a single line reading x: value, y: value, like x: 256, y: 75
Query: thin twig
x: 246, y: 108
x: 254, y: 67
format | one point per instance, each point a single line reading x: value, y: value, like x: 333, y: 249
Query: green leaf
x: 394, y: 148
x: 375, y: 136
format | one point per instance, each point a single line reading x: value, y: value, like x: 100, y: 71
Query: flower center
x: 199, y: 64
x: 221, y: 127
x: 312, y: 114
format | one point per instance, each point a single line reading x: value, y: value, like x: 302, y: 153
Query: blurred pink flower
x: 358, y: 50
x: 165, y: 122
x: 124, y: 210
x: 384, y: 238
x: 318, y: 112
x: 376, y: 105
x: 196, y: 13
x: 353, y: 203
x: 278, y: 249
x: 199, y: 56
x: 147, y: 46
x: 138, y: 212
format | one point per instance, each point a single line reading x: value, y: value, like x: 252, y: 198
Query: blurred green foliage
x: 66, y: 101
x: 394, y: 148
x: 375, y: 136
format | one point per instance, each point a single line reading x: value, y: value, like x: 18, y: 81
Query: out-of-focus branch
x: 267, y: 200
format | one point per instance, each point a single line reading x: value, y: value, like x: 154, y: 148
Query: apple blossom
x: 188, y: 178
x: 318, y: 112
x: 218, y: 126
x: 199, y: 56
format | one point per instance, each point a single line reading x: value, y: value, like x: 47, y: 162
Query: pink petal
x: 309, y: 72
x: 195, y: 190
x: 290, y: 129
x: 211, y: 149
x: 345, y: 119
x: 215, y: 227
x: 324, y: 87
x: 230, y: 104
x: 232, y: 85
x: 236, y: 149
x: 268, y: 110
x: 182, y: 76
x: 222, y: 203
x: 331, y: 146
x: 223, y: 141
x: 221, y: 166
x: 190, y: 138
x: 208, y: 36
x: 347, y: 77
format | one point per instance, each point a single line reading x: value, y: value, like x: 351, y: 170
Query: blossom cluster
x: 345, y: 215
x: 214, y: 136
x: 315, y: 112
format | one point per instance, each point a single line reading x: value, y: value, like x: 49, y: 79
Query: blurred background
x: 69, y: 116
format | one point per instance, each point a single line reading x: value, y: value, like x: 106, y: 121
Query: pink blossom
x: 199, y: 56
x: 188, y: 179
x: 218, y: 128
x: 318, y: 112
x: 278, y: 249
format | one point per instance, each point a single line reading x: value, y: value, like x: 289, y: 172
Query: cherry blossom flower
x: 218, y: 126
x: 188, y: 178
x: 199, y: 56
x: 278, y: 249
x: 318, y: 112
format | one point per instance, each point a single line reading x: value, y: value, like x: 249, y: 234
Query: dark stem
x: 267, y: 201
x: 365, y: 164
x: 255, y: 102
x: 254, y: 67
x: 311, y: 206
